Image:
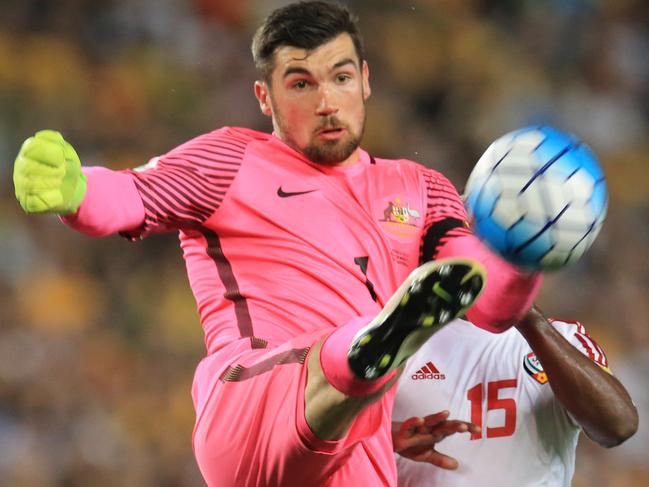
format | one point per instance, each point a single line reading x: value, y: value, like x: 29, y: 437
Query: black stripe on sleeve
x: 434, y: 235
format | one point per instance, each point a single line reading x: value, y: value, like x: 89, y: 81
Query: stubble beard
x: 333, y: 152
x: 325, y: 152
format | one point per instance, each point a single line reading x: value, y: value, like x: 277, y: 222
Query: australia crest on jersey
x: 533, y: 367
x: 399, y: 217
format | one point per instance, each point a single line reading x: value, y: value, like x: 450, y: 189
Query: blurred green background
x: 99, y: 338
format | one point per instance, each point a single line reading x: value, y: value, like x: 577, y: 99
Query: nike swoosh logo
x: 285, y: 194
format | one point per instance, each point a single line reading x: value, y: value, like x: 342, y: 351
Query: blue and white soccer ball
x: 538, y: 197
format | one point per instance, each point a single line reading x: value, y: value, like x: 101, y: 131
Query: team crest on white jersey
x: 533, y: 367
x: 399, y: 217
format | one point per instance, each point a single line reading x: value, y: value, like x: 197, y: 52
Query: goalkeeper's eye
x: 300, y: 84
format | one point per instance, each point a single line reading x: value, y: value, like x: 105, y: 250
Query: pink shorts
x: 251, y: 429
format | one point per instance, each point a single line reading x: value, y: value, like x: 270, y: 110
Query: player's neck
x: 352, y: 159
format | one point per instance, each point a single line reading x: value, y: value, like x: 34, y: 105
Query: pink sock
x: 333, y: 361
x: 509, y: 292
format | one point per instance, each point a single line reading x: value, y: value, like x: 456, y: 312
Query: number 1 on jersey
x: 362, y: 262
x: 475, y: 395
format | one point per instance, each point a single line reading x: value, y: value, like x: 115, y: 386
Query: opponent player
x: 530, y: 389
x: 292, y: 261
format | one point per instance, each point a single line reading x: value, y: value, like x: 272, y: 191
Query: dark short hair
x: 305, y: 25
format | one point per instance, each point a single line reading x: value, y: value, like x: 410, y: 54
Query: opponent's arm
x: 48, y: 178
x: 595, y: 399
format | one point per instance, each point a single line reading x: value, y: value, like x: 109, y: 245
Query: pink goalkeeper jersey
x: 276, y: 245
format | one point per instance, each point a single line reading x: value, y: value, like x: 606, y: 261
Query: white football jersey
x: 496, y: 382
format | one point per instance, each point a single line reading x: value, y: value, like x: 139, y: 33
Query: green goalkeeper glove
x: 47, y: 175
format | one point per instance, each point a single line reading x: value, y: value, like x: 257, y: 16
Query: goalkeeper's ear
x: 262, y: 93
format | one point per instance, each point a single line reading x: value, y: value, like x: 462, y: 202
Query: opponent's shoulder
x: 567, y: 327
x: 576, y: 333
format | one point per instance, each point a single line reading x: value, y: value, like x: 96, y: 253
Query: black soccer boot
x: 431, y: 296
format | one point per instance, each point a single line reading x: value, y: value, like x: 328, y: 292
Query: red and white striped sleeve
x: 577, y: 335
x: 184, y: 187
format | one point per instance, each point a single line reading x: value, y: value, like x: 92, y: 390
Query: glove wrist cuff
x: 77, y: 197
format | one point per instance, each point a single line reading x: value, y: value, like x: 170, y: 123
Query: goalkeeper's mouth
x: 331, y: 133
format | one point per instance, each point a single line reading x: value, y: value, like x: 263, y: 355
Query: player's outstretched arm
x: 595, y: 399
x: 48, y: 178
x: 416, y: 438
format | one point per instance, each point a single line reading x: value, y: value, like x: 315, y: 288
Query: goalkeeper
x: 309, y: 297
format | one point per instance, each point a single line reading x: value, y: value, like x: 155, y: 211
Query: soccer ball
x: 538, y: 197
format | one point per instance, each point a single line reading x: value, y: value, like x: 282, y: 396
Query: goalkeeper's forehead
x: 330, y: 55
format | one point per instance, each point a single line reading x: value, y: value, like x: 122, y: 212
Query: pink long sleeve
x: 112, y: 204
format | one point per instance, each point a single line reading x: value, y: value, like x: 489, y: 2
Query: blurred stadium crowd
x: 99, y: 338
